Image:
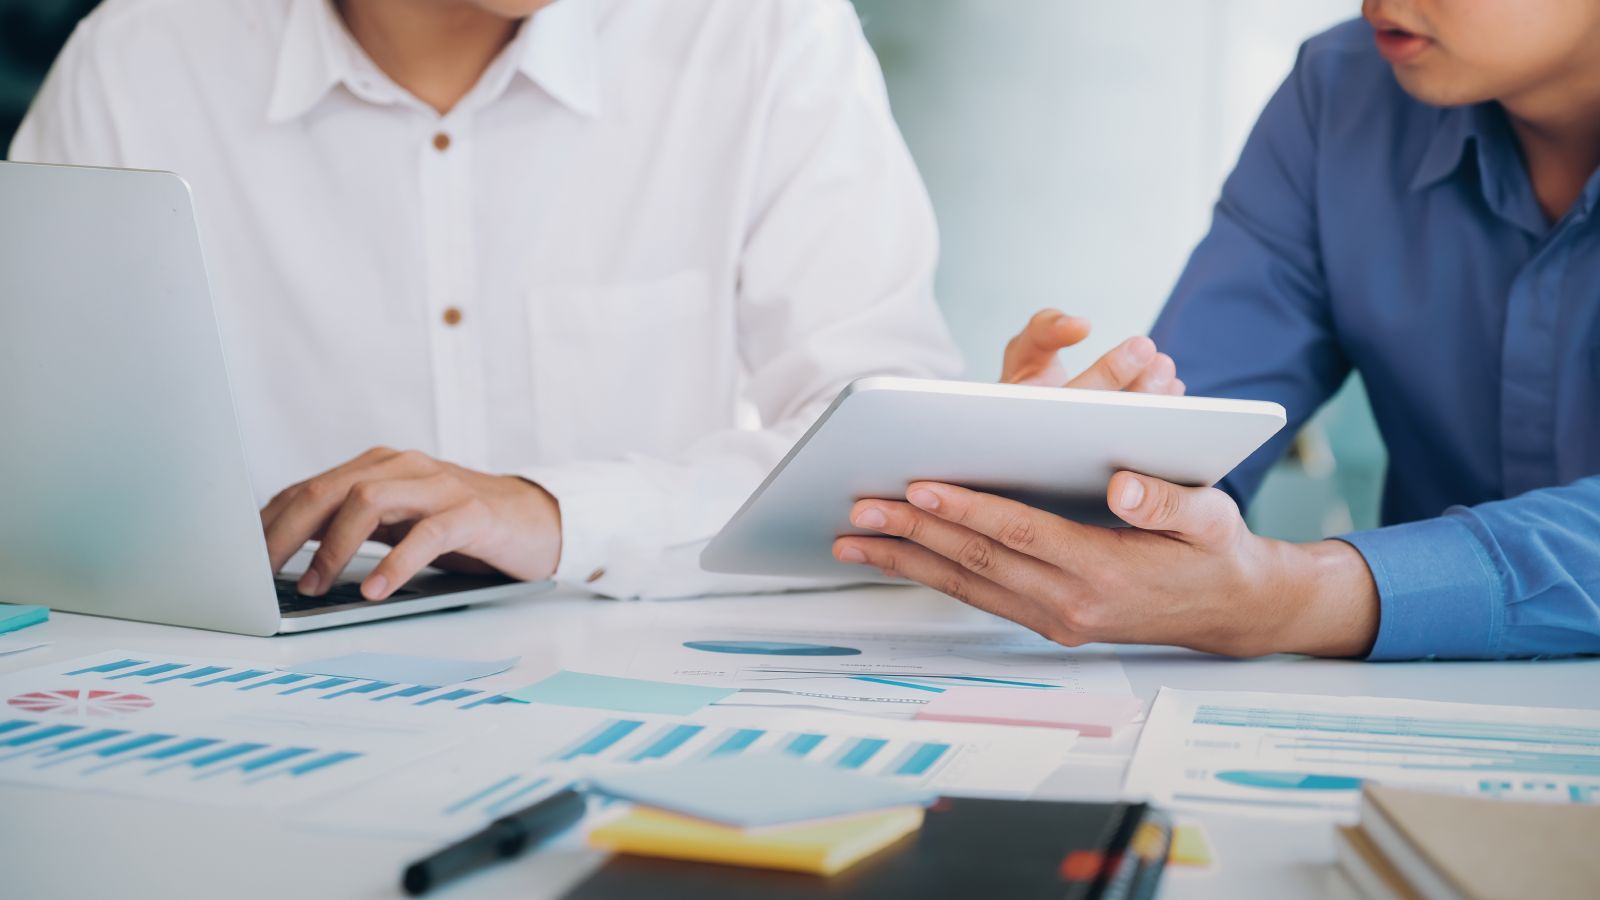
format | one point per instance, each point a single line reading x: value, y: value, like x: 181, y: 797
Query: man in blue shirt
x: 1415, y: 204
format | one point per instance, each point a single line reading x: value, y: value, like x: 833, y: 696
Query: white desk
x: 60, y: 844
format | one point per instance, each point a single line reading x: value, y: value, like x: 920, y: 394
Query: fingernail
x: 1140, y: 350
x: 310, y: 583
x: 1132, y: 494
x: 871, y: 517
x: 852, y: 555
x: 924, y: 499
x: 374, y: 588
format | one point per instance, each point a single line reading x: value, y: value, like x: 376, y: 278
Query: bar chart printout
x: 123, y: 680
x: 191, y: 764
x: 1307, y: 756
x: 953, y: 758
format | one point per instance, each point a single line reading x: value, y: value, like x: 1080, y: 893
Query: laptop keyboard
x: 290, y: 600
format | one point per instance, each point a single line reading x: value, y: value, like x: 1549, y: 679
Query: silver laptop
x: 123, y: 485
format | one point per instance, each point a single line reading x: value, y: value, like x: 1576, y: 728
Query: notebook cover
x: 1492, y: 849
x: 967, y: 847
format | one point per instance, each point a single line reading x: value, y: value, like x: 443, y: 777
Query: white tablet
x: 1053, y: 448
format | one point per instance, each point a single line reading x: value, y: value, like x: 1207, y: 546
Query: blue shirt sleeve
x: 1249, y: 318
x: 1512, y: 578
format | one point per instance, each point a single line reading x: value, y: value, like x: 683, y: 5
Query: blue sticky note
x: 398, y: 669
x: 621, y: 694
x: 758, y: 790
x: 13, y: 617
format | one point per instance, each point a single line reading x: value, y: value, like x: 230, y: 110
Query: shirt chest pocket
x: 632, y: 367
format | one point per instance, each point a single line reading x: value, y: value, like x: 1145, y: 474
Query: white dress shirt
x: 646, y: 217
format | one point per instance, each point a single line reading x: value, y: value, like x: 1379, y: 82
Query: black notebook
x: 966, y: 848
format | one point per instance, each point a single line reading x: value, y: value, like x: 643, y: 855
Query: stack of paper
x: 766, y: 811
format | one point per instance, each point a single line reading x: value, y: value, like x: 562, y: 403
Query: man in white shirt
x: 560, y: 242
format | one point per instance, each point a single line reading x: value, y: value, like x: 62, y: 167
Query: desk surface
x: 66, y: 844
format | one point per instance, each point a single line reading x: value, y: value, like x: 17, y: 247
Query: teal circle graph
x: 1290, y: 781
x: 770, y: 648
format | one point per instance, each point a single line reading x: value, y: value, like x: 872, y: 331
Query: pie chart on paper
x: 81, y: 703
x: 770, y: 648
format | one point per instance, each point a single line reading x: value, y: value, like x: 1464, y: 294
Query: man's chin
x: 1437, y: 88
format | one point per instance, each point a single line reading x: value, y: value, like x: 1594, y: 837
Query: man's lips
x: 1398, y: 45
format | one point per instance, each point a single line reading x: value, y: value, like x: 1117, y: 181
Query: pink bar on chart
x: 1092, y: 715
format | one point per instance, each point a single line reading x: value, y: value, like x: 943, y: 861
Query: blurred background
x: 1073, y: 150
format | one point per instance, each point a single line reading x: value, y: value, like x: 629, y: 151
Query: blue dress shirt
x: 1365, y: 230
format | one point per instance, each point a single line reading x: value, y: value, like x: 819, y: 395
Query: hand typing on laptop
x: 430, y: 512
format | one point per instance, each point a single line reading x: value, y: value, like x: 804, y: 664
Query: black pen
x: 503, y: 838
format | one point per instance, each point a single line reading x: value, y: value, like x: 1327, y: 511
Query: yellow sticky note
x: 1189, y: 847
x: 820, y: 848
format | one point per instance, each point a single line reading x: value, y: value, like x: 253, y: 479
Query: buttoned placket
x: 1530, y: 361
x: 453, y: 325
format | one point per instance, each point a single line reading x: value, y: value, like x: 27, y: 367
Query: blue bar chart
x: 630, y: 741
x: 532, y: 757
x: 162, y: 762
x: 129, y: 673
x: 635, y: 741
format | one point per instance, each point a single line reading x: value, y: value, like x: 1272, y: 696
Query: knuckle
x: 954, y: 585
x: 318, y: 490
x: 413, y: 459
x: 1081, y: 620
x: 977, y: 555
x: 367, y: 494
x: 1166, y: 507
x: 429, y: 532
x: 1018, y: 532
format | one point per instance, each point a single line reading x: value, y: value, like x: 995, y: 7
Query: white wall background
x: 1074, y: 148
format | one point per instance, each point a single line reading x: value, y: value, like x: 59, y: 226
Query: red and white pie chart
x: 74, y: 702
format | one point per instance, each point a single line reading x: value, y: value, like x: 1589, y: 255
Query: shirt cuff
x: 1440, y: 593
x: 592, y: 501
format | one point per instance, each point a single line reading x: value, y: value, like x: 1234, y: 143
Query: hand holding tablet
x: 1052, y: 448
x: 1030, y: 515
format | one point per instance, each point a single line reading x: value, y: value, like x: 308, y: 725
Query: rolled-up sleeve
x: 1512, y: 578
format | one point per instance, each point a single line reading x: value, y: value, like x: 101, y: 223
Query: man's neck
x: 1558, y: 126
x: 436, y: 49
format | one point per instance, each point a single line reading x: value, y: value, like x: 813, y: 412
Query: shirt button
x: 452, y: 316
x: 441, y: 142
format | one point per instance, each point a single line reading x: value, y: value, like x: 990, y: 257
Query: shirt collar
x: 1483, y: 129
x: 556, y: 49
x: 1455, y: 129
x: 309, y: 60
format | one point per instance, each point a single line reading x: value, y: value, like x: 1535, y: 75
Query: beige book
x: 1448, y: 846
